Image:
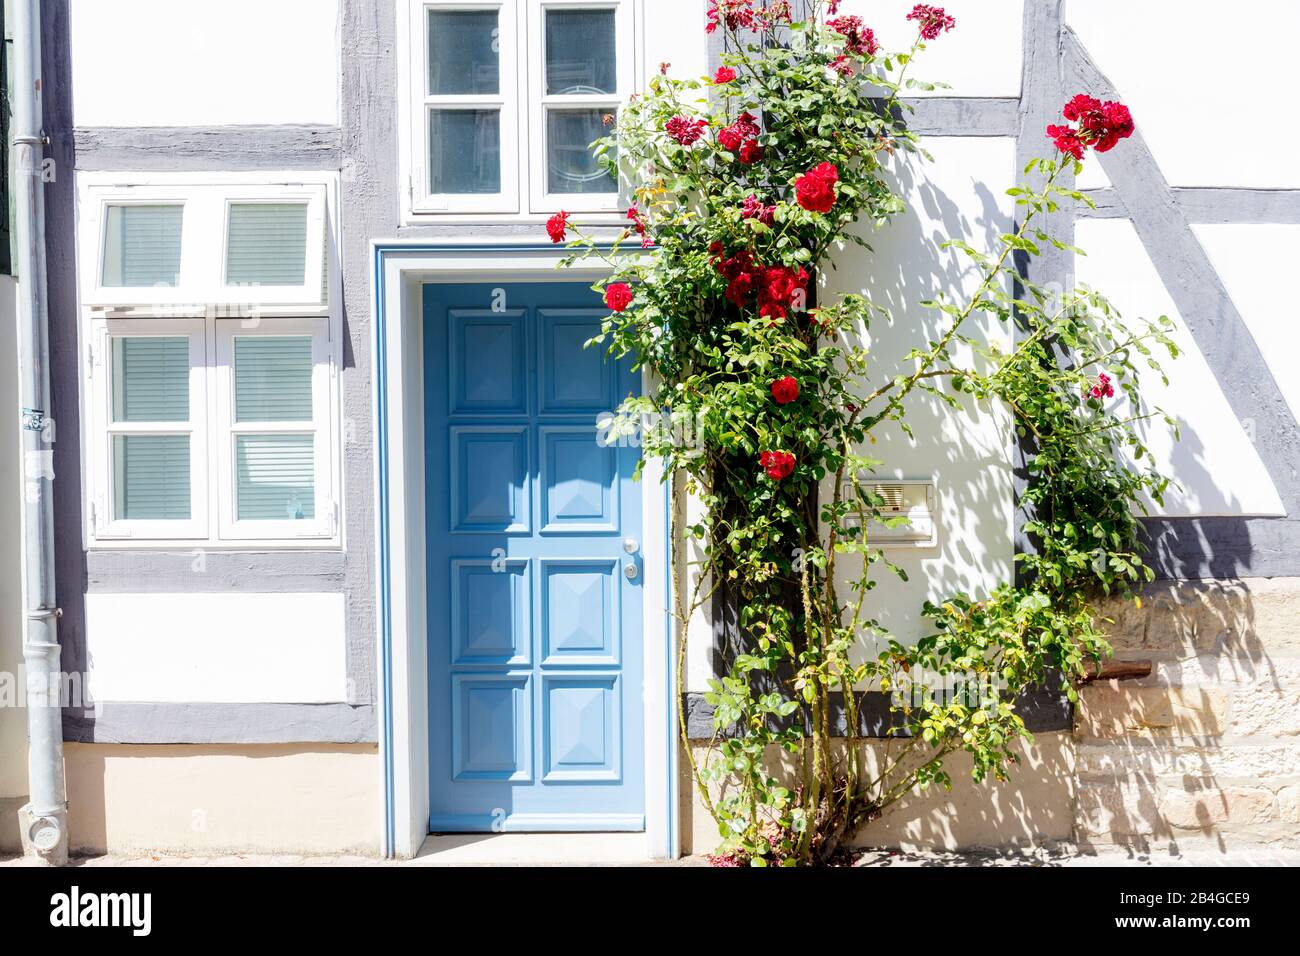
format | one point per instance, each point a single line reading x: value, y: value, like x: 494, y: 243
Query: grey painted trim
x: 1042, y: 709
x: 65, y: 367
x: 1042, y: 93
x: 1223, y: 548
x: 207, y: 571
x: 1224, y: 341
x: 220, y: 148
x: 131, y: 723
x: 1202, y: 204
x: 371, y: 201
x: 962, y: 116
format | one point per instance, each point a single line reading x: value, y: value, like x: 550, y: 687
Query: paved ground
x: 879, y: 858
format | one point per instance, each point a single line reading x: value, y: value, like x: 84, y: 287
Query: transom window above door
x: 506, y: 98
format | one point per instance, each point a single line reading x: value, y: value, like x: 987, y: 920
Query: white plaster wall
x: 674, y: 33
x: 186, y: 63
x: 961, y: 194
x: 1253, y: 261
x: 1216, y: 466
x: 1210, y: 84
x: 217, y: 648
x: 13, y: 718
x: 979, y: 57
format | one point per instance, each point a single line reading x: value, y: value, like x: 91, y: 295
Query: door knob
x: 631, y: 571
x: 631, y: 545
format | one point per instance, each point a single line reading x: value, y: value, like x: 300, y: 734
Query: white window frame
x: 105, y: 524
x: 524, y: 197
x: 540, y: 102
x: 506, y: 100
x: 324, y: 305
x: 227, y: 429
x: 204, y: 227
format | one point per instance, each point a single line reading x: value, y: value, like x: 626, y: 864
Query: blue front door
x: 534, y: 529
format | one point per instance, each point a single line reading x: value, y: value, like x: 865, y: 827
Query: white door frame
x: 401, y: 269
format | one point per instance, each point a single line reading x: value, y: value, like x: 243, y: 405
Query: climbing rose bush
x: 744, y: 186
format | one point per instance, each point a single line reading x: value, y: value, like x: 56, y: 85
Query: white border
x: 397, y: 375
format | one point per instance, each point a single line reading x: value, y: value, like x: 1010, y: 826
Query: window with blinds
x: 151, y: 388
x: 151, y: 477
x: 142, y: 246
x: 266, y: 244
x: 211, y: 372
x: 274, y: 471
x: 274, y: 477
x: 273, y: 378
x: 172, y: 244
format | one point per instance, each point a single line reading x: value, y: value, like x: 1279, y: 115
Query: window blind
x: 266, y: 244
x: 274, y: 477
x: 273, y: 378
x: 151, y: 379
x: 142, y: 246
x: 151, y: 477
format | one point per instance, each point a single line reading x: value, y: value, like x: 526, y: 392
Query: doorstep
x: 533, y: 849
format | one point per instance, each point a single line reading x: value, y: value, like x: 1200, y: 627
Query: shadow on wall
x: 1035, y: 808
x: 966, y: 453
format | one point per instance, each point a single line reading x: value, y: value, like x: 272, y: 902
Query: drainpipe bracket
x: 44, y: 834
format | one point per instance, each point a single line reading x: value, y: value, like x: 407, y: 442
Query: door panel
x: 535, y: 649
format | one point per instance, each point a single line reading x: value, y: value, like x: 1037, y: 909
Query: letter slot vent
x: 908, y: 513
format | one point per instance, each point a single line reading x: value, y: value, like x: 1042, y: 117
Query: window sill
x: 190, y: 545
x: 612, y: 217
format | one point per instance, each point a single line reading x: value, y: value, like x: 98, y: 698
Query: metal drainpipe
x: 44, y: 820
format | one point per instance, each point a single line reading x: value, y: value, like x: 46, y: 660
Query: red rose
x: 753, y: 208
x: 750, y: 152
x: 739, y: 289
x: 741, y: 262
x: 777, y: 464
x: 931, y: 20
x: 781, y: 290
x: 815, y: 189
x: 618, y: 296
x: 1067, y: 140
x: 725, y: 74
x: 736, y: 14
x: 1103, y: 388
x: 785, y: 390
x: 747, y: 125
x: 1119, y: 125
x: 685, y: 130
x: 634, y: 214
x: 1079, y: 106
x: 859, y: 39
x: 732, y: 138
x: 1101, y: 126
x: 556, y: 225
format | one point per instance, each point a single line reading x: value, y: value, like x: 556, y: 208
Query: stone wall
x: 1205, y: 753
